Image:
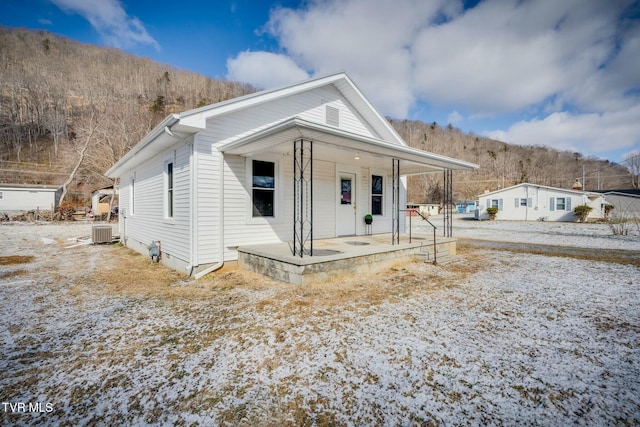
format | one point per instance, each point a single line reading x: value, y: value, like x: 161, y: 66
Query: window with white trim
x: 377, y: 194
x: 168, y: 170
x: 132, y: 198
x: 523, y: 202
x: 263, y: 188
x: 560, y: 204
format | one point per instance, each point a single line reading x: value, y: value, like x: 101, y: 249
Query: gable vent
x: 333, y: 116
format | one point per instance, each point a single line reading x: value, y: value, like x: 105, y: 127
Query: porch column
x: 395, y: 208
x: 448, y: 202
x: 302, y: 197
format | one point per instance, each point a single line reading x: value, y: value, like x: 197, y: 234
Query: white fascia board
x: 377, y: 116
x: 355, y: 142
x: 115, y: 170
x: 546, y: 187
x: 198, y: 116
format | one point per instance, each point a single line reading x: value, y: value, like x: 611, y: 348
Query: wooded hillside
x: 68, y: 111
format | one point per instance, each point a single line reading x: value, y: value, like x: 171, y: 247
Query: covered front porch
x: 334, y: 258
x: 337, y: 200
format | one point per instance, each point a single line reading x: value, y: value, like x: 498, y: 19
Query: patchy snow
x: 502, y: 338
x: 592, y: 235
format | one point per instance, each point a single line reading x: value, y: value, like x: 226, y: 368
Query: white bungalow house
x: 18, y: 197
x: 299, y: 163
x: 531, y: 202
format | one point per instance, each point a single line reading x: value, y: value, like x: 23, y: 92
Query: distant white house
x: 530, y: 202
x: 294, y: 164
x: 626, y: 203
x: 18, y: 197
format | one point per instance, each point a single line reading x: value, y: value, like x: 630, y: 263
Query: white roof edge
x: 567, y: 190
x: 195, y: 117
x: 373, y: 108
x: 302, y: 85
x: 43, y: 187
x: 374, y: 142
x: 170, y: 120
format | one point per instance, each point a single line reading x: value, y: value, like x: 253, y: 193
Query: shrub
x: 582, y: 212
x: 492, y: 212
x: 607, y: 210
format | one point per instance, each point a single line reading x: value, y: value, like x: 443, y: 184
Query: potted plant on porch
x: 368, y: 219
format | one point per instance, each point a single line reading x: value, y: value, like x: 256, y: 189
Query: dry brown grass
x: 16, y: 259
x: 14, y: 273
x: 129, y: 273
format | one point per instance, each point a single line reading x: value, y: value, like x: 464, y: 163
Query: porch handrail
x: 435, y: 249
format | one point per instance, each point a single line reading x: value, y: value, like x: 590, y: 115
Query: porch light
x: 356, y: 158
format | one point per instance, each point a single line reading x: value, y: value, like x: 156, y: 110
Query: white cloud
x: 454, y: 117
x: 499, y: 57
x: 503, y: 56
x: 371, y: 40
x: 111, y: 21
x: 264, y: 70
x: 591, y: 132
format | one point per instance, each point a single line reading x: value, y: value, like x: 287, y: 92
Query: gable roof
x: 196, y: 118
x: 387, y: 141
x: 524, y: 184
x: 192, y: 121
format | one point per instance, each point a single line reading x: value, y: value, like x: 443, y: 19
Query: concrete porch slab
x: 337, y: 257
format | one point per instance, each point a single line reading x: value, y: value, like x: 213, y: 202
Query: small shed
x: 100, y: 200
x: 19, y: 197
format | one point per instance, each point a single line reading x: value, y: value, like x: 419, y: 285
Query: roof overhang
x: 155, y: 142
x: 334, y: 143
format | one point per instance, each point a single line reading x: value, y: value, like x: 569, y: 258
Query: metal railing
x: 435, y: 249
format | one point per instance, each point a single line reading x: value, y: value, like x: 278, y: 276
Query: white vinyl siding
x: 147, y: 221
x: 310, y: 106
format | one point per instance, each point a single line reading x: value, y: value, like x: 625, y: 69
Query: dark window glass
x: 345, y: 194
x: 376, y: 205
x: 376, y: 195
x: 170, y: 190
x: 263, y: 174
x: 264, y: 184
x: 262, y: 202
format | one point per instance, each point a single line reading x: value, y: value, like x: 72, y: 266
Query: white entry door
x: 346, y: 209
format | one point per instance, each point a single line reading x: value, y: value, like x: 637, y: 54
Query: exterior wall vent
x: 333, y: 116
x: 101, y: 234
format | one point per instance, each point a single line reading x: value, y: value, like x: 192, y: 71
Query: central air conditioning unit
x: 101, y: 234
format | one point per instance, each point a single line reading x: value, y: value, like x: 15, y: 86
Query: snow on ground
x: 594, y: 235
x: 499, y: 339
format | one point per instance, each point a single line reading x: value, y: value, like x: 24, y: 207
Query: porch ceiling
x: 334, y: 144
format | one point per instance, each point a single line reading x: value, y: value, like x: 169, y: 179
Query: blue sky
x: 565, y: 74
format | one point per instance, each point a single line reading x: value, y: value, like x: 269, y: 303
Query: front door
x: 346, y: 209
